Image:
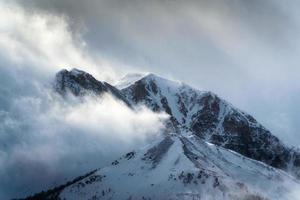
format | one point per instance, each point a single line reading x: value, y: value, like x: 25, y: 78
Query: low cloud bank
x: 45, y: 139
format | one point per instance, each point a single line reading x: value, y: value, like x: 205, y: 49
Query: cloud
x: 110, y: 113
x: 45, y: 140
x: 44, y: 43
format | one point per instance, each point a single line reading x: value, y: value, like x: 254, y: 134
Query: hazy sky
x: 246, y: 51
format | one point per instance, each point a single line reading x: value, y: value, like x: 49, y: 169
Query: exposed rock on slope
x: 213, y: 119
x: 80, y: 83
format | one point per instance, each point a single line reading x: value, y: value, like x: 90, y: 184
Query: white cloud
x: 43, y: 42
x: 112, y: 116
x: 44, y: 139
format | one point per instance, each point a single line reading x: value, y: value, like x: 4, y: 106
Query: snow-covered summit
x: 129, y: 79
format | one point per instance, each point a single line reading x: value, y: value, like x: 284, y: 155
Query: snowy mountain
x: 180, y: 167
x: 213, y: 119
x: 209, y: 150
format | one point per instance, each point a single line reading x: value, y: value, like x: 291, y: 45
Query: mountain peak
x: 80, y: 83
x: 131, y: 78
x: 160, y: 79
x: 77, y: 72
x: 151, y: 75
x: 73, y: 72
x: 77, y: 82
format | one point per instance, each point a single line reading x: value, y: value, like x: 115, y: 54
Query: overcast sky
x: 246, y: 51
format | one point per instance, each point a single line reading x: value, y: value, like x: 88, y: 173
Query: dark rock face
x: 141, y: 93
x: 253, y: 141
x: 80, y: 83
x: 156, y: 153
x: 206, y: 119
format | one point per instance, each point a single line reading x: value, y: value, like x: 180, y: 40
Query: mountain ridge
x: 206, y: 131
x: 210, y: 117
x: 203, y: 113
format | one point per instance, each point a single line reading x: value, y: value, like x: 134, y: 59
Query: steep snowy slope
x: 213, y: 119
x: 181, y: 167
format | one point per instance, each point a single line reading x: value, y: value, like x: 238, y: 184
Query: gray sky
x: 246, y: 51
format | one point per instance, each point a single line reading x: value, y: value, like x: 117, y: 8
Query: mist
x: 46, y: 140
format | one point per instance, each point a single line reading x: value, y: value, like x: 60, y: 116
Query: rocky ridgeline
x: 202, y: 113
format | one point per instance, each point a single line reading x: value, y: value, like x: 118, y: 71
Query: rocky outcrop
x: 80, y: 83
